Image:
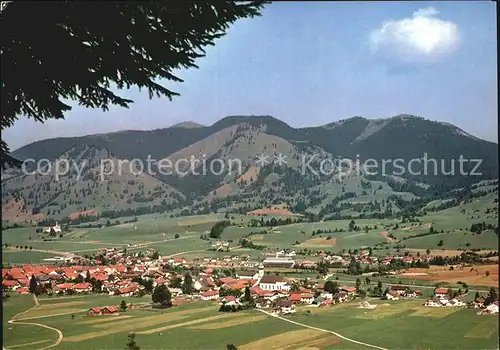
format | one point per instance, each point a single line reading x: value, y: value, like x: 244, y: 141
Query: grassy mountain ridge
x: 245, y: 137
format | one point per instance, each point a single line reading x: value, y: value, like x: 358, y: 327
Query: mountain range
x: 259, y: 183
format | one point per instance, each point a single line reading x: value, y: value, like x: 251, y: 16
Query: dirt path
x: 187, y: 252
x: 387, y: 238
x: 195, y: 251
x: 323, y: 330
x: 60, y: 335
x: 55, y: 252
x: 52, y: 315
x: 73, y: 253
x: 141, y: 245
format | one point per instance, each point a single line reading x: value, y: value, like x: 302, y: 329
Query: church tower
x: 261, y: 270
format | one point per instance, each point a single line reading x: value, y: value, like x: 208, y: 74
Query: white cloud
x: 421, y: 38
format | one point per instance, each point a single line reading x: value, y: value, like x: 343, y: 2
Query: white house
x: 286, y: 306
x: 433, y: 303
x: 230, y: 301
x: 492, y: 308
x: 82, y: 287
x: 210, y: 295
x: 392, y: 296
x: 305, y: 298
x: 340, y: 297
x: 456, y: 302
x: 328, y: 296
x: 175, y: 291
x: 220, y: 245
x: 197, y: 285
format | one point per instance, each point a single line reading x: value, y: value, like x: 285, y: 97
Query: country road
x: 55, y: 252
x: 74, y: 252
x: 323, y: 330
x: 14, y: 320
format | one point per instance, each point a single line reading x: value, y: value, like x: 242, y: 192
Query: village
x: 231, y: 280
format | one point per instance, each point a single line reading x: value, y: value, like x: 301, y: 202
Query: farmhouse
x: 209, y: 295
x: 175, y: 292
x: 492, y: 308
x: 340, y: 297
x: 262, y: 303
x: 204, y: 284
x: 478, y: 303
x: 82, y: 287
x: 298, y: 297
x: 348, y: 289
x: 220, y: 245
x: 10, y: 284
x: 285, y: 306
x: 230, y: 301
x: 398, y: 289
x: 412, y: 293
x: 63, y: 287
x: 441, y: 292
x: 392, y: 295
x: 106, y: 310
x: 326, y: 295
x: 434, y: 302
x: 458, y: 301
x: 445, y: 301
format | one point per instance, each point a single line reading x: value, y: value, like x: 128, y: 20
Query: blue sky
x: 314, y: 63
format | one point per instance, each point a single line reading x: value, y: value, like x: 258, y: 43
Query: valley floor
x: 345, y: 326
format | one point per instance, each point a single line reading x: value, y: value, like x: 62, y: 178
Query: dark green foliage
x: 131, y: 344
x: 247, y: 297
x: 231, y: 308
x: 331, y: 287
x: 246, y: 243
x: 218, y: 228
x: 161, y: 295
x: 33, y: 284
x: 123, y: 306
x: 187, y: 285
x: 491, y: 297
x: 84, y: 56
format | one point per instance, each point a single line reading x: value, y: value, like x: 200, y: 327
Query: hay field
x: 49, y: 312
x: 475, y: 275
x: 134, y: 324
x: 443, y: 252
x: 30, y: 343
x: 292, y: 339
x: 45, y: 306
x: 485, y: 329
x: 103, y: 319
x: 231, y: 323
x: 257, y: 238
x: 436, y: 312
x: 221, y: 316
x: 381, y: 311
x: 318, y: 242
x: 197, y: 220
